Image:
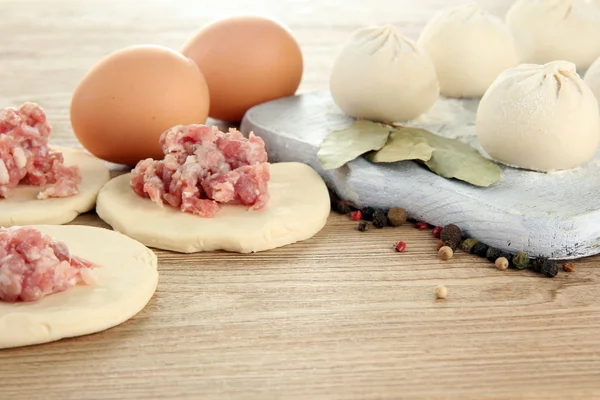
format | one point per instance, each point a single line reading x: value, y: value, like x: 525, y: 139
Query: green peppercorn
x: 480, y: 249
x: 520, y: 260
x: 468, y: 244
x: 451, y: 236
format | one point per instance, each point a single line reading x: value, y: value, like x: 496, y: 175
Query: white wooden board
x: 555, y: 215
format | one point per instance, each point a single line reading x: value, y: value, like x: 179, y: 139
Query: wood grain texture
x: 521, y: 212
x: 340, y: 316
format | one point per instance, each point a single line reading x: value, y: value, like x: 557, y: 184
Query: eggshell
x: 123, y: 104
x: 246, y: 60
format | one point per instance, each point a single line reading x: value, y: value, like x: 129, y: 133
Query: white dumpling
x: 592, y: 78
x: 382, y: 76
x: 469, y: 48
x: 549, y: 30
x: 539, y: 117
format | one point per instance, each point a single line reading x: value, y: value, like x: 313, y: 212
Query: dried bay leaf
x: 340, y: 147
x: 402, y: 145
x: 455, y: 159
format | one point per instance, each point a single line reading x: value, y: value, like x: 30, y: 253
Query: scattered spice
x: 451, y: 235
x: 437, y: 232
x: 363, y: 226
x: 422, y: 226
x: 545, y: 266
x: 568, y: 267
x: 502, y: 263
x: 356, y: 215
x: 367, y: 213
x: 345, y: 207
x: 493, y: 254
x: 441, y: 292
x: 440, y: 244
x: 520, y: 260
x: 468, y: 244
x: 397, y: 216
x: 400, y: 247
x: 380, y: 218
x: 445, y: 253
x: 479, y: 249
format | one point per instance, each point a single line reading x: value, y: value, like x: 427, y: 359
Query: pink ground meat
x: 25, y: 157
x: 203, y: 167
x: 32, y: 265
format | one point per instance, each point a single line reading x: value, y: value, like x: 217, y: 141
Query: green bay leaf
x: 455, y: 159
x: 402, y: 146
x: 340, y: 147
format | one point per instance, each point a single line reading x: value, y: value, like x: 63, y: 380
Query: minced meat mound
x: 203, y: 167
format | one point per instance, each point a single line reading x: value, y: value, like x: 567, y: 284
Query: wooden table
x: 338, y: 316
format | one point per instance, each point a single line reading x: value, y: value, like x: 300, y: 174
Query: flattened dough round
x: 126, y: 280
x: 297, y: 210
x: 23, y: 208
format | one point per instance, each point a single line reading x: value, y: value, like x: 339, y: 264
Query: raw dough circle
x: 297, y: 210
x: 469, y: 48
x: 23, y: 208
x: 539, y: 117
x: 126, y: 280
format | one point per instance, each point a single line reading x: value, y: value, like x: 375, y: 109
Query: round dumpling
x: 539, y: 117
x: 382, y: 76
x: 592, y: 78
x: 551, y: 30
x: 469, y: 48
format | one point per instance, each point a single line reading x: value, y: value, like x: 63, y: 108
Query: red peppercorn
x: 400, y: 247
x: 422, y: 226
x: 356, y: 215
x: 437, y: 232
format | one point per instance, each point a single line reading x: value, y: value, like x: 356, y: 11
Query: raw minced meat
x: 25, y: 157
x: 32, y: 265
x: 203, y: 167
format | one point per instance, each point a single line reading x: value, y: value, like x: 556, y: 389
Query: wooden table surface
x: 340, y: 316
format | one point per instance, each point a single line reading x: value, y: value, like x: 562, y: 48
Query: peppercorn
x: 493, y: 254
x: 397, y: 216
x: 445, y: 253
x: 379, y: 218
x: 468, y: 244
x: 437, y: 231
x: 568, y: 267
x: 400, y: 247
x: 363, y: 226
x: 440, y: 244
x: 545, y: 266
x: 356, y: 215
x: 422, y: 226
x: 502, y: 263
x: 451, y: 236
x: 520, y: 260
x: 479, y: 249
x: 441, y: 292
x: 367, y: 213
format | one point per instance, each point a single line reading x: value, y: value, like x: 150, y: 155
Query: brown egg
x: 123, y: 104
x: 246, y: 60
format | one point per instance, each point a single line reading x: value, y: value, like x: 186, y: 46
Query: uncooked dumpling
x: 539, y: 117
x: 469, y: 48
x: 382, y: 76
x: 298, y: 208
x: 550, y: 30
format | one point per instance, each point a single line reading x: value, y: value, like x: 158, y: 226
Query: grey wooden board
x: 555, y: 215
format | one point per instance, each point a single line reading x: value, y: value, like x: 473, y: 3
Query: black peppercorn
x: 451, y: 236
x: 545, y: 266
x: 363, y: 226
x: 345, y: 207
x: 367, y: 213
x: 380, y: 218
x: 538, y: 263
x: 479, y: 249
